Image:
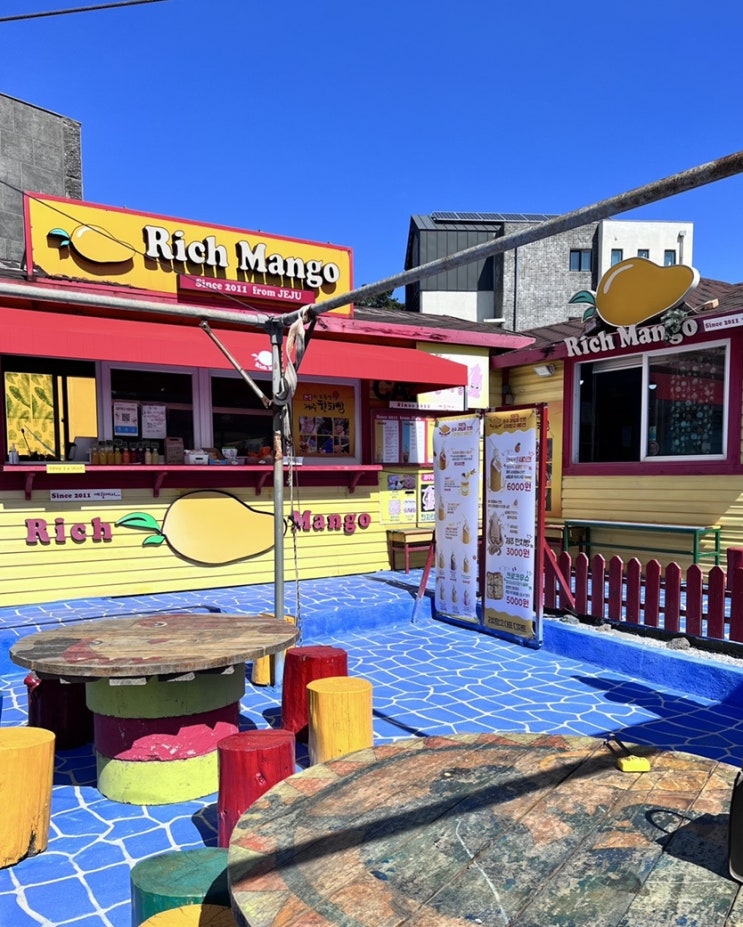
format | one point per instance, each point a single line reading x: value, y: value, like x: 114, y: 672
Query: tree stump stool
x: 193, y: 915
x: 61, y: 708
x: 269, y: 670
x: 302, y: 666
x: 249, y: 764
x: 26, y: 774
x: 340, y: 717
x: 177, y: 878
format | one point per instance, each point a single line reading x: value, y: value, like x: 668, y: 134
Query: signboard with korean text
x: 509, y: 516
x: 154, y: 421
x: 324, y: 421
x: 126, y: 419
x: 426, y: 497
x: 456, y: 452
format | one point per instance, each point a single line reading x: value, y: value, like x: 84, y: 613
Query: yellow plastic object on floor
x: 626, y: 761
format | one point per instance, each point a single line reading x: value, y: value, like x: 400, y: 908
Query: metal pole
x: 279, y: 411
x: 640, y: 196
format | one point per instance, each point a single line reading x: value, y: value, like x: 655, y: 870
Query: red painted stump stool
x: 249, y: 764
x: 304, y: 665
x: 59, y: 707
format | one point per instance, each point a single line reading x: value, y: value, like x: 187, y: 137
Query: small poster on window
x: 126, y: 419
x: 154, y: 423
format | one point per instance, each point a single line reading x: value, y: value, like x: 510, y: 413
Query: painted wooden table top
x: 527, y: 830
x: 149, y: 645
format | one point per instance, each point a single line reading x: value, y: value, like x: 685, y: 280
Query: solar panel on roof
x: 513, y: 216
x: 492, y: 216
x: 536, y: 216
x: 443, y: 216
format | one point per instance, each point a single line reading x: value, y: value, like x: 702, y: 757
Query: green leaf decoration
x: 583, y: 296
x: 141, y: 520
x: 153, y: 539
x: 64, y: 237
x: 590, y: 313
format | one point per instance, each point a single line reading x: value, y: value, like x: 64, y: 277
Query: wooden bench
x: 405, y: 540
x: 695, y: 534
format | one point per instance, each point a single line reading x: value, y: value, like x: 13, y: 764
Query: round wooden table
x: 163, y: 688
x: 527, y: 830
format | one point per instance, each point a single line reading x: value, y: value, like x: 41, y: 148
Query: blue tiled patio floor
x: 428, y: 677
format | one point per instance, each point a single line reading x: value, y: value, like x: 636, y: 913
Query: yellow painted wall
x: 682, y: 500
x: 123, y: 566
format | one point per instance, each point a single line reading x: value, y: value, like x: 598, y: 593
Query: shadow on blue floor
x: 429, y: 678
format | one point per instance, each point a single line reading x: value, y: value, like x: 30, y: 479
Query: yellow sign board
x: 104, y: 244
x: 65, y: 468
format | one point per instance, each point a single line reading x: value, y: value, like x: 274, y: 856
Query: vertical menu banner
x: 457, y: 475
x: 509, y: 514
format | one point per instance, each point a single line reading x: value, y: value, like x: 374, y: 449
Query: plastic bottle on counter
x: 13, y: 455
x: 147, y: 455
x: 125, y: 455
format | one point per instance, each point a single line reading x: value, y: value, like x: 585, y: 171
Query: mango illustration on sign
x: 94, y: 244
x: 207, y: 526
x: 635, y: 290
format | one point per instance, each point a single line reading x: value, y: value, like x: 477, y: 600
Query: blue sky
x: 336, y: 121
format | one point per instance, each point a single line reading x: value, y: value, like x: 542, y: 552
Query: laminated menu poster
x: 456, y: 455
x: 510, y: 515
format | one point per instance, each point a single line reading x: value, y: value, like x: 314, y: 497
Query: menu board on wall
x: 456, y: 451
x: 509, y: 514
x: 402, y: 439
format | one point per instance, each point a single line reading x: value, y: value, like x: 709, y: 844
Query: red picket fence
x: 647, y: 595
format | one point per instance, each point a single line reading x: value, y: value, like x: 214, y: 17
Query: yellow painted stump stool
x: 339, y: 711
x: 26, y: 774
x: 193, y: 915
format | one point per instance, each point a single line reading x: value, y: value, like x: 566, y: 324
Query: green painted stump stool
x: 179, y: 878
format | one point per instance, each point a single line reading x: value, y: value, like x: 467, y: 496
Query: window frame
x: 672, y: 253
x: 581, y: 253
x: 616, y: 256
x: 642, y: 359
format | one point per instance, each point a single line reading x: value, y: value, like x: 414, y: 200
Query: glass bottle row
x: 117, y: 453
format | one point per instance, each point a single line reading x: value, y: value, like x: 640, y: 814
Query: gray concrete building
x: 40, y: 152
x: 530, y: 286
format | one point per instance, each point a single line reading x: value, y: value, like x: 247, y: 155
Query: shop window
x: 669, y: 257
x: 617, y: 255
x: 239, y: 418
x: 581, y: 259
x: 668, y: 404
x: 48, y: 403
x: 171, y: 392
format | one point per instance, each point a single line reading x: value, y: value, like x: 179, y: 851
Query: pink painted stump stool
x: 249, y: 764
x: 303, y: 665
